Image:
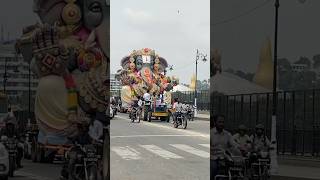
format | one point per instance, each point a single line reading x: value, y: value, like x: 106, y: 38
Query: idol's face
x: 93, y: 13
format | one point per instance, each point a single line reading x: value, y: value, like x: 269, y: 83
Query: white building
x: 299, y: 67
x: 17, y: 71
x: 115, y: 86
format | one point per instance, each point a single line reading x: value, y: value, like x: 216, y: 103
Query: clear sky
x: 240, y: 39
x: 173, y: 28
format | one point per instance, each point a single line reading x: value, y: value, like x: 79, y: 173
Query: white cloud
x: 137, y: 17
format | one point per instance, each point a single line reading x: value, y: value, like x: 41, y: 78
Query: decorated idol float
x: 144, y: 70
x: 69, y: 52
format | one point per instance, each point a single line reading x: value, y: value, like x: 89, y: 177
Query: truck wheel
x: 163, y: 118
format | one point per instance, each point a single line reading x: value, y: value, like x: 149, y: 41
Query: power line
x: 242, y: 14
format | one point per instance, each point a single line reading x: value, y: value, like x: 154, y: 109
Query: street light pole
x: 195, y: 86
x: 29, y: 93
x: 5, y: 76
x: 274, y: 159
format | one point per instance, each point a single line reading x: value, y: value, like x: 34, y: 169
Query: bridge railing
x: 298, y: 117
x: 203, y: 98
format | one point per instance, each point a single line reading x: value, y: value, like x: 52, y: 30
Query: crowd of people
x: 239, y: 144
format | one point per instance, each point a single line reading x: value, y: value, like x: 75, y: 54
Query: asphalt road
x: 37, y: 171
x: 156, y: 151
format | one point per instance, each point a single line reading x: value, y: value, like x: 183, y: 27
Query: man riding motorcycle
x: 259, y: 140
x: 243, y: 139
x: 82, y: 138
x: 10, y: 131
x: 177, y: 107
x: 220, y: 140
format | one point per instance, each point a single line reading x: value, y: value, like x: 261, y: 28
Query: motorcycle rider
x: 220, y: 139
x: 242, y: 138
x: 135, y: 106
x: 83, y: 138
x: 10, y: 131
x: 259, y: 140
x: 177, y: 107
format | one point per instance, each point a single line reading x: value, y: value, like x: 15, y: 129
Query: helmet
x: 242, y: 127
x: 260, y: 126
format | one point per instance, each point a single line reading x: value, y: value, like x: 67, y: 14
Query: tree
x: 304, y: 60
x: 285, y: 74
x: 316, y: 61
x: 284, y: 64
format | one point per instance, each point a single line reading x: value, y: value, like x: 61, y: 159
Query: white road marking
x: 185, y: 131
x: 161, y: 152
x: 191, y: 150
x: 205, y: 145
x: 126, y: 152
x: 154, y: 135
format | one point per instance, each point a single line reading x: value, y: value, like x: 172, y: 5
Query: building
x: 115, y: 86
x: 17, y: 72
x: 299, y: 67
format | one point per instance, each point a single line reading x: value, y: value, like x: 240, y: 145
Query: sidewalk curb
x: 202, y: 118
x: 279, y: 177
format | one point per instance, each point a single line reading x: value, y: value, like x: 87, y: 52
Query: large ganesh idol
x: 69, y: 52
x: 143, y: 70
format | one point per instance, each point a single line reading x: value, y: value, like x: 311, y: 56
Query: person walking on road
x: 147, y: 104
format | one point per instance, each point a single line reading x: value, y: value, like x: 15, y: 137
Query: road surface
x: 156, y: 151
x: 37, y: 171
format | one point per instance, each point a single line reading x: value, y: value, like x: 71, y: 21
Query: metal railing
x: 203, y: 98
x: 298, y: 117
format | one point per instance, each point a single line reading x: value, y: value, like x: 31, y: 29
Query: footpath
x: 297, y: 168
x: 203, y: 115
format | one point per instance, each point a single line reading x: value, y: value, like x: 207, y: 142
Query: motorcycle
x: 87, y: 162
x: 114, y: 109
x: 135, y: 114
x: 229, y: 166
x: 224, y: 162
x: 180, y: 120
x: 11, y: 145
x: 190, y: 113
x: 260, y: 164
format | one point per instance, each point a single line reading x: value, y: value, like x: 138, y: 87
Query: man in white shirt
x: 147, y: 96
x: 96, y: 130
x: 147, y: 103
